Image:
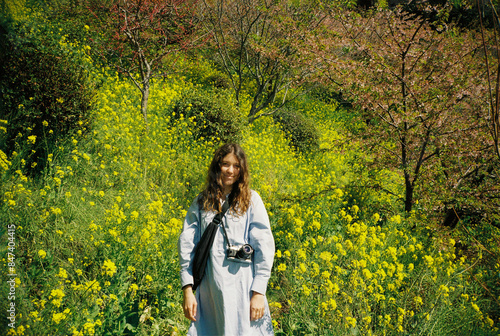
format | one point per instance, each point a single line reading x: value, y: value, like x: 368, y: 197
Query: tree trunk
x: 408, y: 195
x: 406, y: 173
x: 144, y: 103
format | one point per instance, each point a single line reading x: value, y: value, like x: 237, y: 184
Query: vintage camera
x: 241, y: 253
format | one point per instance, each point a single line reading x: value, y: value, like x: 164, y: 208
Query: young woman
x: 231, y: 297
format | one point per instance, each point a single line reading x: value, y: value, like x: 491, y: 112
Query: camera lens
x: 247, y: 249
x: 245, y: 252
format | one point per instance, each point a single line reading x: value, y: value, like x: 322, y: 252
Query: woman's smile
x: 230, y: 170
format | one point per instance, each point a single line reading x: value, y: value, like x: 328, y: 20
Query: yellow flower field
x: 94, y: 239
x: 97, y: 235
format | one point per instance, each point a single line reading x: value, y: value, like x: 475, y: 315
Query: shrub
x: 301, y: 130
x: 213, y: 112
x: 330, y: 95
x: 201, y: 70
x: 45, y: 90
x: 218, y: 80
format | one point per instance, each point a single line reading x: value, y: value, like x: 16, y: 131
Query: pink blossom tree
x: 142, y: 37
x: 422, y: 93
x: 493, y: 75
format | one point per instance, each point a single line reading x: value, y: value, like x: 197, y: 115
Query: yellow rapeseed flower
x: 58, y: 317
x: 306, y: 290
x: 32, y: 139
x: 326, y: 256
x: 109, y: 267
x: 418, y: 301
x: 62, y: 273
x: 42, y: 254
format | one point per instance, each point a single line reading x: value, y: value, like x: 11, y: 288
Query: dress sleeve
x: 188, y: 239
x: 262, y: 241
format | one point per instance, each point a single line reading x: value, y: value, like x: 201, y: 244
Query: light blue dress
x: 224, y: 294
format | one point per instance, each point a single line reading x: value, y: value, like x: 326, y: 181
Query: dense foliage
x: 214, y: 113
x: 302, y: 131
x: 89, y: 246
x: 45, y: 89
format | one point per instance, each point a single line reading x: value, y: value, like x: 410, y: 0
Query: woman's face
x: 230, y: 170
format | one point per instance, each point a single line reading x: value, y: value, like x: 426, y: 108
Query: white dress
x: 224, y: 293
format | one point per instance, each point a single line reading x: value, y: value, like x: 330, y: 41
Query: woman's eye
x: 227, y: 165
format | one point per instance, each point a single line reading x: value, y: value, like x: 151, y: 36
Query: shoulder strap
x: 218, y: 218
x: 226, y: 206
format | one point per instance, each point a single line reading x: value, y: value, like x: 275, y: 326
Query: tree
x: 493, y: 93
x: 422, y: 94
x: 141, y: 36
x: 265, y: 47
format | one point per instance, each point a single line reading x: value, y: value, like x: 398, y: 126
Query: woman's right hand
x: 189, y: 305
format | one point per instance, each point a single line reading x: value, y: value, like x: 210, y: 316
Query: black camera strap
x: 218, y: 217
x: 225, y: 234
x: 225, y: 205
x: 202, y: 249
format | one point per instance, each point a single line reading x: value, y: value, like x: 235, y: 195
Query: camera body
x: 242, y: 253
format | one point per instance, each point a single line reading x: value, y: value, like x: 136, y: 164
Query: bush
x: 200, y: 69
x: 329, y: 95
x: 213, y: 112
x: 302, y: 131
x: 45, y: 90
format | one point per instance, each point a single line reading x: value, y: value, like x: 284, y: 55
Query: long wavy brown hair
x: 210, y: 197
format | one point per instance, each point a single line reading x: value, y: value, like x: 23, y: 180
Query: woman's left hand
x: 257, y: 306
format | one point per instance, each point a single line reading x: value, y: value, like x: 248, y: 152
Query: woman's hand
x: 257, y: 306
x: 189, y: 305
